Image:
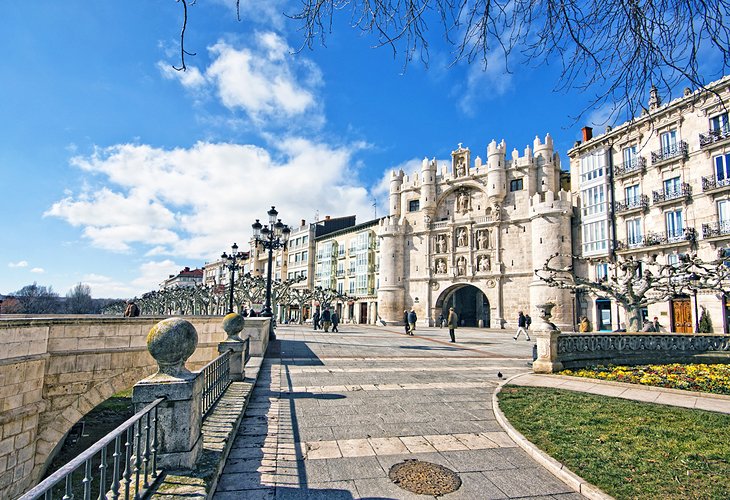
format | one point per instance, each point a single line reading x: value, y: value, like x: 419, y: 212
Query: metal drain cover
x: 424, y: 478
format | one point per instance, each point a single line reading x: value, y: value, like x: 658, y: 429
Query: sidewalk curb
x: 558, y: 469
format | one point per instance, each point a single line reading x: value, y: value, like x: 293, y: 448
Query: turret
x: 396, y: 180
x: 496, y: 175
x: 546, y: 173
x: 391, y: 292
x: 428, y: 187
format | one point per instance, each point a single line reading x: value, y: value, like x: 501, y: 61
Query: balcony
x: 716, y: 229
x: 651, y: 239
x: 675, y: 151
x: 667, y: 195
x: 711, y: 183
x: 635, y: 166
x: 640, y: 202
x: 714, y: 136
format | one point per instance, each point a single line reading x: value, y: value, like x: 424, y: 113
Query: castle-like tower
x: 470, y: 235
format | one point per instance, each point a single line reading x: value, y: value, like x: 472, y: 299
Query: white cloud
x: 20, y: 263
x: 269, y: 13
x: 152, y: 273
x: 38, y: 270
x: 193, y: 203
x: 264, y: 80
x: 483, y: 83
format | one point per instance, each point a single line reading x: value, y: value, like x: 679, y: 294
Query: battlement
x: 549, y: 201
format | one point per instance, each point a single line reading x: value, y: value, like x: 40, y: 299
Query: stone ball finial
x: 171, y: 342
x: 233, y: 325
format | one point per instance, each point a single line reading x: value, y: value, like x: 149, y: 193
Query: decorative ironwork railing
x: 711, y: 182
x: 641, y: 201
x: 652, y: 239
x: 684, y: 191
x: 714, y: 136
x: 638, y: 164
x: 216, y: 379
x: 675, y: 151
x: 128, y: 472
x: 720, y: 228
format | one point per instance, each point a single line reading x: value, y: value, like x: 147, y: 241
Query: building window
x: 601, y: 272
x: 595, y: 237
x: 594, y: 200
x: 675, y: 227
x: 515, y: 185
x: 592, y: 166
x: 722, y: 169
x: 668, y: 141
x: 719, y: 123
x: 723, y: 212
x: 632, y: 195
x: 672, y: 187
x: 629, y: 155
x: 414, y: 205
x: 633, y: 232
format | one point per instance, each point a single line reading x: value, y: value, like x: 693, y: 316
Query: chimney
x: 326, y: 217
x: 587, y: 134
x: 303, y: 223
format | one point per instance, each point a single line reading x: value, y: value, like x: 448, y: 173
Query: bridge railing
x: 216, y: 379
x: 123, y: 464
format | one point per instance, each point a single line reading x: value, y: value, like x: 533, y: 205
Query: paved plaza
x: 332, y: 412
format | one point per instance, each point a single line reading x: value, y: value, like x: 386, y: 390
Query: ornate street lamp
x: 272, y: 236
x: 231, y: 262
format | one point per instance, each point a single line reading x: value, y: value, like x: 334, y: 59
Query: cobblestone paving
x: 331, y: 413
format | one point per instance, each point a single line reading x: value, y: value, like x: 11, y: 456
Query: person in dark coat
x: 335, y: 321
x: 521, y: 326
x: 326, y: 319
x: 405, y: 322
x: 412, y: 318
x: 132, y: 309
x: 452, y: 322
x: 441, y: 320
x: 315, y: 319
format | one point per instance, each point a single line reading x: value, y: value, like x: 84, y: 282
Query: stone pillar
x: 171, y: 342
x: 546, y: 335
x: 233, y: 325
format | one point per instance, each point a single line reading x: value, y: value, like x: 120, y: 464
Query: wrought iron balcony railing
x: 714, y: 136
x: 678, y: 150
x: 684, y: 191
x: 713, y: 229
x: 641, y: 201
x: 711, y: 182
x: 638, y: 164
x: 653, y: 239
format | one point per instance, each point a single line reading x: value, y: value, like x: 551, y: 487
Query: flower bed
x: 694, y: 377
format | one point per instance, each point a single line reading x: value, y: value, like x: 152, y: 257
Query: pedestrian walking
x: 412, y: 321
x: 441, y: 320
x: 326, y: 319
x: 335, y: 321
x: 452, y: 322
x: 132, y: 309
x: 406, y: 326
x: 528, y: 322
x: 521, y: 326
x: 315, y: 319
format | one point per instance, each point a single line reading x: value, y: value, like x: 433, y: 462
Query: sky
x: 116, y: 170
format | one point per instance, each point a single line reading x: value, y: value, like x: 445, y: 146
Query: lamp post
x: 231, y: 261
x: 272, y: 236
x: 693, y: 278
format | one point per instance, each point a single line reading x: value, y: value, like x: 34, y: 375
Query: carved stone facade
x: 469, y: 235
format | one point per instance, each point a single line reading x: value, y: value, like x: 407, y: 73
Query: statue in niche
x: 483, y: 240
x: 461, y: 237
x: 460, y: 168
x: 463, y: 202
x: 461, y: 266
x: 484, y: 263
x: 441, y: 244
x: 441, y: 266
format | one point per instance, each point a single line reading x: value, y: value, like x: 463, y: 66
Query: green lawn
x: 627, y: 448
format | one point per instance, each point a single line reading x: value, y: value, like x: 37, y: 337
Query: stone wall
x: 54, y: 370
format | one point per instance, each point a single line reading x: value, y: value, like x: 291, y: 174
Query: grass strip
x: 629, y: 449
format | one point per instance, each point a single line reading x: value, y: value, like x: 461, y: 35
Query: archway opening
x: 469, y: 302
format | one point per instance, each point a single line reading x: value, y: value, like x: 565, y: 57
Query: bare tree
x: 636, y: 283
x: 79, y: 301
x: 38, y: 299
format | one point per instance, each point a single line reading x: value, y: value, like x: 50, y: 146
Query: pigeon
x: 499, y: 374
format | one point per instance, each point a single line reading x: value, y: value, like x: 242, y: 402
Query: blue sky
x: 116, y: 170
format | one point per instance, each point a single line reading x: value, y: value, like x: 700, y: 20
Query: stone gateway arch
x: 469, y: 302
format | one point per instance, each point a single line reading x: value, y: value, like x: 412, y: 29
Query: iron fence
x: 130, y: 473
x: 216, y: 379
